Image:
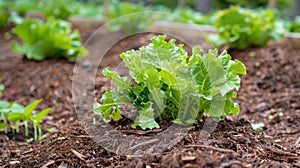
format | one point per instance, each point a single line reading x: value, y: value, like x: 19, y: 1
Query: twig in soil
x: 188, y: 158
x: 290, y: 132
x: 143, y: 143
x: 283, y: 152
x: 230, y: 163
x: 26, y: 152
x: 79, y: 155
x: 214, y: 148
x: 50, y: 162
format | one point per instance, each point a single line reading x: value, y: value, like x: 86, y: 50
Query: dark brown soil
x: 270, y: 93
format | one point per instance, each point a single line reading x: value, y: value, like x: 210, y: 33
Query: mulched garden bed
x: 270, y: 93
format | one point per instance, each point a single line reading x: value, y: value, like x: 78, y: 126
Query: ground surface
x: 270, y: 93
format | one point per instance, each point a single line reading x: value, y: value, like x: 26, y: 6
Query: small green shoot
x: 61, y: 138
x: 259, y: 126
x: 11, y: 114
x: 2, y: 87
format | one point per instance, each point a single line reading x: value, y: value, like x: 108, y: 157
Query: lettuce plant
x: 48, y: 39
x: 22, y: 7
x: 13, y: 113
x: 167, y: 83
x: 58, y: 9
x: 294, y: 26
x: 241, y: 28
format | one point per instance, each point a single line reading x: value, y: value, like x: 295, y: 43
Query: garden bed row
x: 269, y: 93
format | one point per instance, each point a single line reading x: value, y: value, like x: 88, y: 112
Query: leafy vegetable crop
x: 167, y: 83
x: 241, y: 28
x: 58, y: 9
x: 195, y: 17
x: 22, y: 7
x: 294, y: 26
x: 50, y: 39
x: 13, y: 113
x: 132, y: 23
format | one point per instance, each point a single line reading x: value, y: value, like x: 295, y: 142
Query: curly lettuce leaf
x: 248, y: 28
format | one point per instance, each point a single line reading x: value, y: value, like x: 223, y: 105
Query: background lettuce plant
x: 167, y: 83
x: 241, y: 28
x: 58, y: 9
x: 48, y: 39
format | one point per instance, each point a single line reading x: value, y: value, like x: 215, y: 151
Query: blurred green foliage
x: 294, y: 26
x: 125, y: 19
x: 20, y: 6
x: 281, y: 4
x: 241, y: 28
x: 53, y: 38
x: 170, y: 3
x: 4, y: 15
x: 89, y: 11
x: 58, y: 8
x: 192, y: 16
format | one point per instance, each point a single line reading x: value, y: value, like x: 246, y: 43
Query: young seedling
x: 1, y: 87
x: 13, y: 113
x: 35, y: 118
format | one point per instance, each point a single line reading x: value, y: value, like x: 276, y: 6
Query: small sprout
x: 1, y: 88
x: 11, y: 114
x: 29, y: 140
x: 53, y: 129
x: 252, y: 54
x: 61, y: 138
x: 259, y: 126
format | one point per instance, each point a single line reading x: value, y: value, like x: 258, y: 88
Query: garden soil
x: 270, y: 93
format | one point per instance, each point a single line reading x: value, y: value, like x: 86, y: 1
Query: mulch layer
x: 270, y: 93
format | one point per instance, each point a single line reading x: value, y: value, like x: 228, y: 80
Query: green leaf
x: 96, y: 107
x: 259, y: 126
x: 146, y: 118
x: 4, y: 104
x: 188, y: 112
x: 116, y: 115
x: 122, y: 83
x: 17, y: 108
x: 41, y: 115
x: 216, y: 107
x: 29, y: 109
x: 3, y: 125
x: 14, y: 117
